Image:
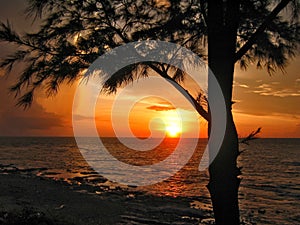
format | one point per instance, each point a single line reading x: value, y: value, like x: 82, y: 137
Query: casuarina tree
x: 73, y: 33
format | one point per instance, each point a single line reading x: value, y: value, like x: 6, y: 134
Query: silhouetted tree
x: 75, y: 32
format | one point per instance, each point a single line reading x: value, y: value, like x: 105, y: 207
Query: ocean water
x: 269, y: 192
x: 270, y: 189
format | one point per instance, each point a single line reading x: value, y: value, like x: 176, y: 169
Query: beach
x: 21, y: 191
x: 39, y: 178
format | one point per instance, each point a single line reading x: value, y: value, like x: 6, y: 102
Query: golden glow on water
x: 183, y: 182
x: 140, y: 158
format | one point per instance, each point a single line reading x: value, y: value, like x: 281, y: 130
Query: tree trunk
x: 224, y: 183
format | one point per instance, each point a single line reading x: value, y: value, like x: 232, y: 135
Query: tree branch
x: 197, y: 106
x: 202, y: 8
x: 239, y: 54
x: 251, y: 136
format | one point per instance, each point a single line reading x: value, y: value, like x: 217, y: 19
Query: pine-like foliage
x: 73, y: 33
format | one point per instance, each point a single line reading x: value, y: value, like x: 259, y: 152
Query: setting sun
x: 173, y: 130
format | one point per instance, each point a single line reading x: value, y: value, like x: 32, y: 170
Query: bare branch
x: 251, y: 136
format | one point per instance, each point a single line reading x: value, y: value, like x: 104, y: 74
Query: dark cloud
x: 18, y: 125
x: 15, y: 121
x: 161, y: 108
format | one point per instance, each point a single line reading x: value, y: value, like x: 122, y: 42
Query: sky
x: 270, y: 102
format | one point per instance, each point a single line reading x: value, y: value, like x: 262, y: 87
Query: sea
x: 269, y: 191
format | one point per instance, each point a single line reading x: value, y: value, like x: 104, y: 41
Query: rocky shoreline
x: 29, y: 198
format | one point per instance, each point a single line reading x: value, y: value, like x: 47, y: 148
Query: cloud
x: 81, y: 117
x: 237, y: 84
x: 268, y: 90
x: 258, y: 113
x: 161, y: 108
x: 237, y: 101
x: 27, y: 122
x: 287, y: 116
x: 35, y: 121
x: 243, y: 86
x: 264, y: 86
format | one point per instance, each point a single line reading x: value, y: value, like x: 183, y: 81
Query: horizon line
x: 50, y: 136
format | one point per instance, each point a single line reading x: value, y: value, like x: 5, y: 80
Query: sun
x: 173, y: 130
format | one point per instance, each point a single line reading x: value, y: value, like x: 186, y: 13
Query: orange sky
x: 261, y: 101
